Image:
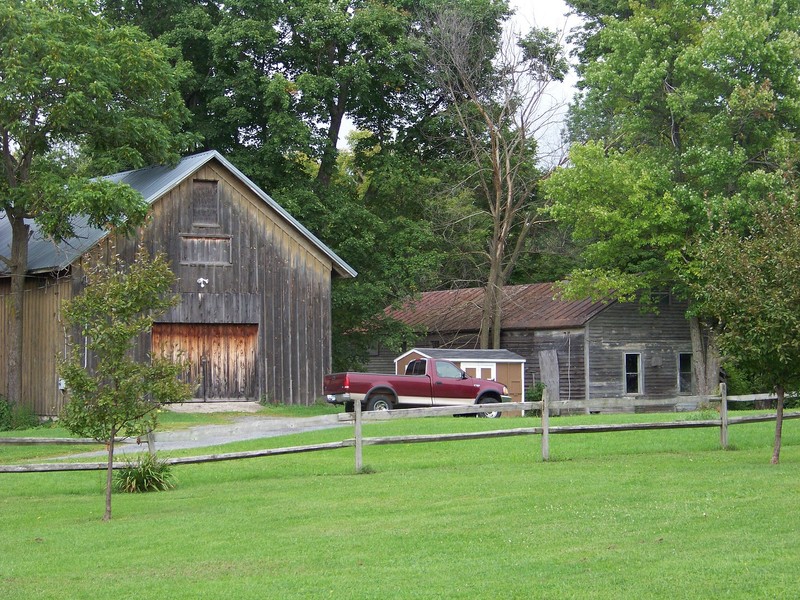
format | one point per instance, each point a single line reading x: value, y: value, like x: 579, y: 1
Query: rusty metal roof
x: 531, y: 306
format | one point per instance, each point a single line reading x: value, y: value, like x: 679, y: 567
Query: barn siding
x: 43, y: 341
x: 623, y: 328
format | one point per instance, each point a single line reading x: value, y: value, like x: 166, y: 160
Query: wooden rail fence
x: 358, y: 417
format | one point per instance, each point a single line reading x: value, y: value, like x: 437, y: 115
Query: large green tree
x: 77, y: 98
x: 684, y: 108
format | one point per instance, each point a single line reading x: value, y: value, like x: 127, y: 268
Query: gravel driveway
x: 242, y: 428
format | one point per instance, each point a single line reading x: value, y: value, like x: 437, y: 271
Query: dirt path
x: 242, y: 428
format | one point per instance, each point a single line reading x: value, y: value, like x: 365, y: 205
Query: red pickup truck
x: 427, y: 382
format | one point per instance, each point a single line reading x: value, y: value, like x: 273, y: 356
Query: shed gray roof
x: 461, y: 354
x: 152, y: 183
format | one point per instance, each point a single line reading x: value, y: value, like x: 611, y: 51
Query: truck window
x: 415, y: 367
x: 448, y: 370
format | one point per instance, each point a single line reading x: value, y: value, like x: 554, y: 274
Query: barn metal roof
x: 152, y: 183
x: 531, y: 306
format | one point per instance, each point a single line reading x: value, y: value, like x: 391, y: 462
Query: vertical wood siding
x: 276, y: 281
x: 43, y: 342
x: 221, y: 358
x: 602, y: 344
x: 659, y: 338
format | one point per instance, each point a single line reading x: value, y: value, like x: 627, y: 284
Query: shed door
x: 222, y: 358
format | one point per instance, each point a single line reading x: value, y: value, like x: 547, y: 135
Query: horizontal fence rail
x: 54, y: 441
x: 358, y: 441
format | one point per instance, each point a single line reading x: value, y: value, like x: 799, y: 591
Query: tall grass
x: 661, y: 514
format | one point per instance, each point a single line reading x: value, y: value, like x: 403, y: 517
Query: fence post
x: 723, y: 415
x: 359, y: 457
x: 546, y: 424
x: 151, y: 442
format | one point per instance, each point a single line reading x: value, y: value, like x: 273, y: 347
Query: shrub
x: 16, y: 417
x: 148, y: 474
x: 535, y: 392
x: 5, y: 414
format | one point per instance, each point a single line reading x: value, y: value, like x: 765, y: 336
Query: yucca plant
x: 147, y: 474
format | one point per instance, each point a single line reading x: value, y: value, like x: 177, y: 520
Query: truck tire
x: 349, y: 406
x: 380, y: 401
x: 490, y: 415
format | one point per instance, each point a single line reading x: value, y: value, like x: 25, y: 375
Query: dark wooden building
x: 254, y: 319
x: 609, y: 353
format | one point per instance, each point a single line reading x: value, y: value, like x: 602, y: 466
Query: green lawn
x: 660, y: 514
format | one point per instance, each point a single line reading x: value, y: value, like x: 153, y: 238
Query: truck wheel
x: 349, y: 406
x: 379, y: 402
x: 490, y: 415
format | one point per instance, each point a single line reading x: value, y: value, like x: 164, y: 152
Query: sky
x: 553, y: 15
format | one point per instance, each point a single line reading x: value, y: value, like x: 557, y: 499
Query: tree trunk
x: 327, y: 165
x: 487, y: 312
x: 776, y: 451
x: 492, y: 311
x: 20, y: 232
x: 110, y: 473
x: 705, y: 358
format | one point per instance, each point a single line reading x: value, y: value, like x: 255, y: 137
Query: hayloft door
x: 221, y: 358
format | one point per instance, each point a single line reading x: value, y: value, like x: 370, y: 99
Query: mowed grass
x: 662, y: 514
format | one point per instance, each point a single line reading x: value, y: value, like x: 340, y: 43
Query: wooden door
x: 221, y: 358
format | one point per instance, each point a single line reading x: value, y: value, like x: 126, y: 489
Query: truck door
x: 450, y: 387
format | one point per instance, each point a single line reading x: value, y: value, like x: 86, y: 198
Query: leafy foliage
x: 78, y: 98
x: 747, y: 284
x: 147, y: 474
x: 16, y: 417
x: 118, y: 394
x: 688, y: 114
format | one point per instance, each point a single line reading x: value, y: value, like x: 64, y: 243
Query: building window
x: 206, y: 250
x: 480, y: 370
x: 633, y: 373
x: 205, y: 203
x: 685, y: 373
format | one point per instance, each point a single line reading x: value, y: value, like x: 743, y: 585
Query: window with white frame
x: 480, y: 370
x: 633, y: 373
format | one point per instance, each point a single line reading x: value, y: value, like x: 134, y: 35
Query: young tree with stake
x: 117, y: 395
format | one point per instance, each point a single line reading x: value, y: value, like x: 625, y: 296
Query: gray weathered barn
x: 254, y: 319
x: 597, y: 351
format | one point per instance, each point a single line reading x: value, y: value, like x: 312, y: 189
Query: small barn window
x: 205, y: 203
x: 206, y: 250
x: 633, y: 373
x: 685, y: 373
